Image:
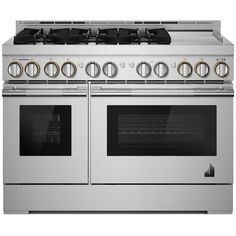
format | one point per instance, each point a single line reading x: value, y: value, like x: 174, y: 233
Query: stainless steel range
x: 118, y: 116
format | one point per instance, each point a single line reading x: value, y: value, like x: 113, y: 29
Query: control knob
x: 185, y: 69
x: 15, y: 69
x: 144, y: 69
x: 68, y: 69
x: 32, y: 69
x: 222, y: 69
x: 110, y: 69
x: 51, y: 69
x: 161, y: 69
x: 202, y: 69
x: 92, y: 69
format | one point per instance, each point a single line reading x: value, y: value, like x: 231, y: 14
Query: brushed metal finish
x: 44, y: 169
x: 15, y: 69
x: 137, y: 198
x: 161, y: 169
x: 222, y: 69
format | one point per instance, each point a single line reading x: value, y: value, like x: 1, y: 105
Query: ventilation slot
x: 17, y: 81
x: 195, y: 82
x: 155, y: 82
x: 175, y: 81
x: 76, y: 81
x: 214, y: 81
x: 57, y: 81
x: 98, y: 81
x: 37, y: 81
x: 116, y: 81
x: 135, y: 81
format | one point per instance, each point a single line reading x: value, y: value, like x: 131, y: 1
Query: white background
x: 115, y: 224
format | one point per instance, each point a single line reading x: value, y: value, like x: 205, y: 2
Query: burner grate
x: 111, y: 36
x: 158, y: 36
x: 67, y: 36
x: 29, y: 36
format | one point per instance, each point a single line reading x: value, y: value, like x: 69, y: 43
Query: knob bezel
x: 163, y: 63
x: 190, y: 66
x: 204, y: 63
x: 38, y: 69
x: 148, y: 65
x: 98, y: 66
x: 73, y: 65
x: 21, y: 69
x: 218, y: 63
x: 115, y: 66
x: 57, y: 70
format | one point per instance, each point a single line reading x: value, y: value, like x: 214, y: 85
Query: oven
x: 45, y: 137
x: 161, y: 136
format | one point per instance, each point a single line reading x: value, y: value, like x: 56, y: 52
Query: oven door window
x: 161, y: 130
x: 45, y: 130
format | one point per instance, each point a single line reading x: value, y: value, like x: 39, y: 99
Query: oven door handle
x: 43, y: 92
x: 150, y: 91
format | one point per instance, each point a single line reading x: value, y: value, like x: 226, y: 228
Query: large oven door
x: 45, y: 139
x: 152, y: 140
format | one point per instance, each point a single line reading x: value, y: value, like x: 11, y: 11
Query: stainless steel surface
x: 137, y: 198
x: 161, y: 69
x: 196, y: 69
x: 162, y: 169
x: 44, y: 169
x: 222, y: 69
x: 32, y: 69
x: 51, y: 69
x: 202, y: 69
x: 110, y: 69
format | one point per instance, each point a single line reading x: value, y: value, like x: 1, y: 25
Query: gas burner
x: 107, y: 36
x: 29, y: 36
x: 118, y: 36
x: 67, y: 36
x: 129, y: 36
x: 85, y: 36
x: 158, y: 36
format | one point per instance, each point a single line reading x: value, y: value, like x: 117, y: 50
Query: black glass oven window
x: 161, y: 130
x: 45, y: 130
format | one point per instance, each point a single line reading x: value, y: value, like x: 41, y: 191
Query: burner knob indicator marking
x: 15, y: 69
x: 68, y: 69
x: 92, y: 69
x: 32, y: 69
x: 144, y: 69
x: 202, y: 69
x: 51, y: 69
x: 110, y: 69
x: 222, y: 69
x: 161, y: 69
x: 185, y: 69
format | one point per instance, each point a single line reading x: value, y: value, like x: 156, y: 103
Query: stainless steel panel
x: 44, y: 169
x: 162, y: 198
x: 169, y: 169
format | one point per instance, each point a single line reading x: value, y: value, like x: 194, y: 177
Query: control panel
x: 118, y: 68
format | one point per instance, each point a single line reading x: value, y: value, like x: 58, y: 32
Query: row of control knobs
x: 110, y: 69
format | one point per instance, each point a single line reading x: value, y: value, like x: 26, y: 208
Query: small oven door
x: 45, y: 139
x: 161, y: 139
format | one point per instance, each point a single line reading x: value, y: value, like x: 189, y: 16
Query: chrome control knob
x: 202, y: 69
x: 51, y: 69
x: 110, y: 69
x: 144, y: 69
x: 15, y: 69
x: 185, y: 69
x: 93, y: 69
x: 222, y: 69
x: 32, y: 69
x: 68, y: 69
x: 161, y: 69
